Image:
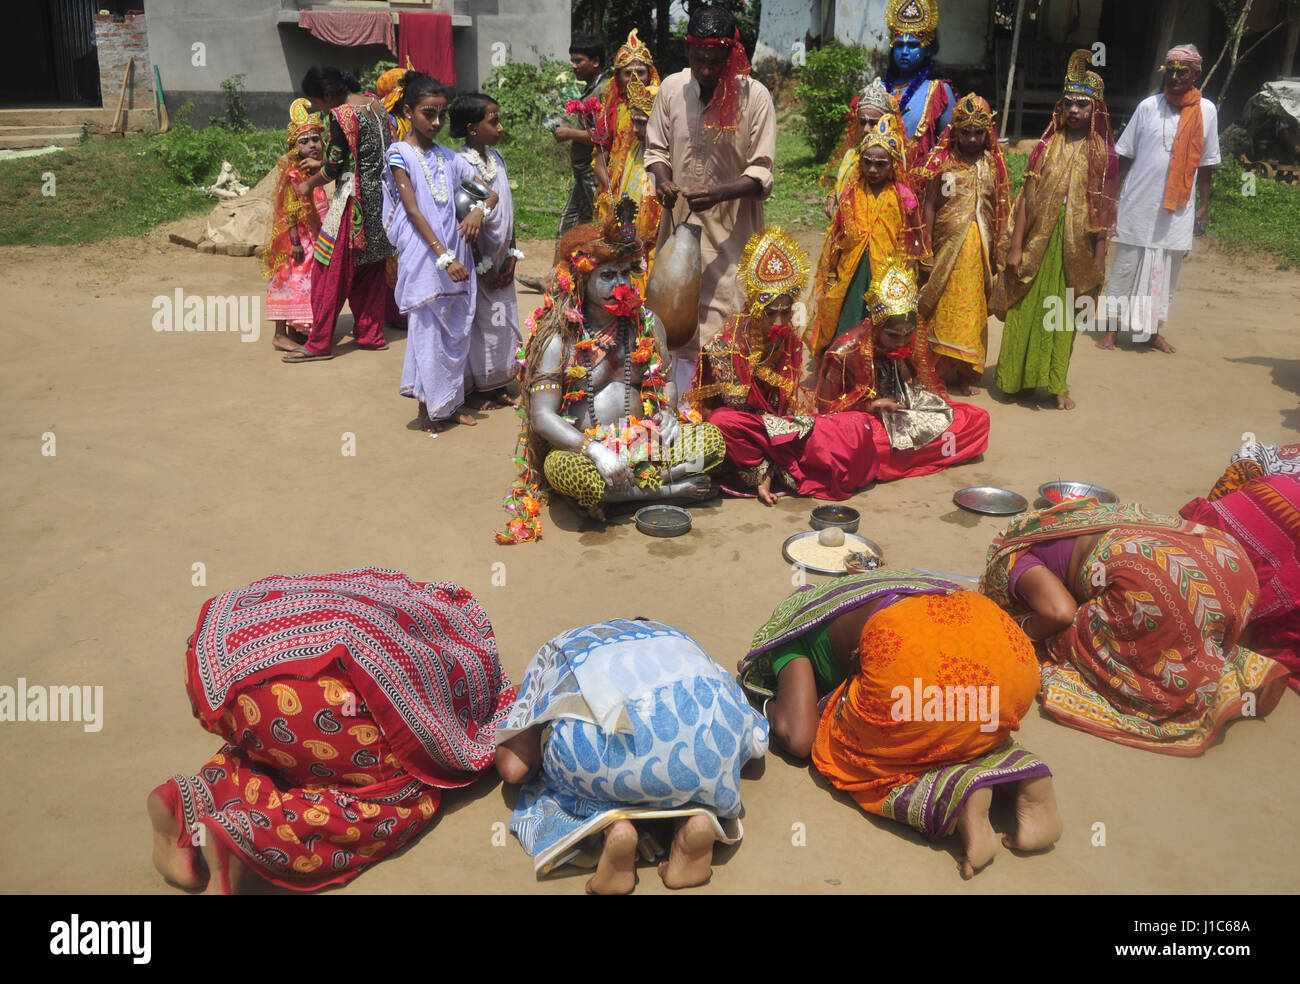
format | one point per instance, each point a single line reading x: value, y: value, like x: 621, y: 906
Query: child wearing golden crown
x: 1063, y: 215
x: 626, y: 174
x: 877, y: 217
x: 881, y: 368
x: 749, y: 380
x: 295, y: 220
x: 967, y: 202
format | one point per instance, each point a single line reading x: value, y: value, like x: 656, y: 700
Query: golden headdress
x: 301, y: 119
x: 772, y: 264
x: 641, y: 96
x: 886, y: 133
x: 1079, y: 80
x: 893, y: 293
x: 972, y: 110
x: 919, y: 18
x: 633, y: 50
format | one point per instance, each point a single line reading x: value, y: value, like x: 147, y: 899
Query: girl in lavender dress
x: 435, y: 288
x: 495, y: 335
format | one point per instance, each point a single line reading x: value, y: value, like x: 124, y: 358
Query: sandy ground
x: 177, y: 449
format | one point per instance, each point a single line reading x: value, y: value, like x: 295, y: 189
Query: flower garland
x: 630, y: 438
x: 486, y: 167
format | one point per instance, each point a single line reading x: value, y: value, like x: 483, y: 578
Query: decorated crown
x: 877, y: 95
x: 915, y: 17
x: 893, y: 293
x: 972, y: 110
x: 886, y: 133
x: 633, y: 50
x: 1079, y: 80
x: 301, y: 119
x: 772, y: 264
x: 641, y: 96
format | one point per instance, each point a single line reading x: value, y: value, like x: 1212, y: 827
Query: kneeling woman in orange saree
x: 920, y: 686
x: 1142, y: 619
x: 346, y: 702
x: 748, y: 384
x: 882, y: 368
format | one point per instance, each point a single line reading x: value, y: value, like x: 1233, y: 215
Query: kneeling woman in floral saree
x: 1142, y: 619
x: 748, y: 384
x: 882, y: 368
x: 628, y: 721
x: 346, y: 703
x: 920, y: 687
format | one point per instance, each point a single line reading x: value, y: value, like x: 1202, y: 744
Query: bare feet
x: 962, y: 388
x: 229, y: 873
x: 281, y: 341
x: 463, y: 416
x: 1161, y: 343
x: 690, y: 861
x: 616, y: 869
x: 1107, y: 343
x: 1038, y: 822
x: 596, y: 513
x: 426, y: 423
x: 1063, y: 401
x: 977, y: 834
x: 695, y: 487
x: 765, y: 494
x: 179, y: 865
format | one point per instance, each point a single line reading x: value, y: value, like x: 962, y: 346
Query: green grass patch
x: 104, y: 188
x: 1267, y: 221
x: 108, y: 187
x: 540, y: 177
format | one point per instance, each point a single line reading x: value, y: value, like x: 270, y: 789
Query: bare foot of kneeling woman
x: 690, y: 861
x: 977, y: 834
x: 1038, y: 821
x: 616, y: 869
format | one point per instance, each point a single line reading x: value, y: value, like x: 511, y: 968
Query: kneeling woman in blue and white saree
x: 628, y: 721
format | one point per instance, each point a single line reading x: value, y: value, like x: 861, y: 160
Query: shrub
x: 195, y: 156
x: 827, y: 83
x: 371, y: 77
x: 528, y: 94
x: 236, y: 116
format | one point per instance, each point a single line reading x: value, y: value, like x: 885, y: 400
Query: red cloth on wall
x: 348, y: 28
x: 425, y: 38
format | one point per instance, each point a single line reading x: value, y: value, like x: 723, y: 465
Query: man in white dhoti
x: 1166, y: 152
x: 711, y: 139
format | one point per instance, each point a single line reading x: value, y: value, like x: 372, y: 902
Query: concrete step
x: 7, y: 130
x: 25, y: 142
x: 58, y: 117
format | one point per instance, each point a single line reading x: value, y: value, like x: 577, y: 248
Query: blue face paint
x: 909, y: 54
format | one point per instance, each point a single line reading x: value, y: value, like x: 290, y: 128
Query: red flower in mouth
x: 904, y: 352
x: 625, y: 299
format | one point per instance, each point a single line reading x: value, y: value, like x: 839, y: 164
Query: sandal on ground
x: 302, y: 355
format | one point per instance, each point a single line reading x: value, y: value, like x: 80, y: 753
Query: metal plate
x: 662, y: 520
x: 1075, y: 490
x: 852, y: 544
x: 845, y: 517
x: 990, y: 501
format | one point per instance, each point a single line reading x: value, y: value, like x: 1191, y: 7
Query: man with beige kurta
x: 711, y: 140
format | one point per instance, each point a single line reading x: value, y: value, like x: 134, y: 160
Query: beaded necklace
x: 921, y: 77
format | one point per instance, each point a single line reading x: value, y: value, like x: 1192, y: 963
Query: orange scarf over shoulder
x: 1185, y: 157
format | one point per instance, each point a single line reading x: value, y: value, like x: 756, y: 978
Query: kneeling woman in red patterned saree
x: 346, y: 703
x: 1142, y: 617
x: 880, y: 367
x: 748, y: 385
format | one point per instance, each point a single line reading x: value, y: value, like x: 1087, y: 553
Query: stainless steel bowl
x: 663, y: 520
x: 466, y: 195
x: 1058, y: 492
x: 990, y: 501
x: 843, y: 517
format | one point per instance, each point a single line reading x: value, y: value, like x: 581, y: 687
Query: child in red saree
x: 748, y: 384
